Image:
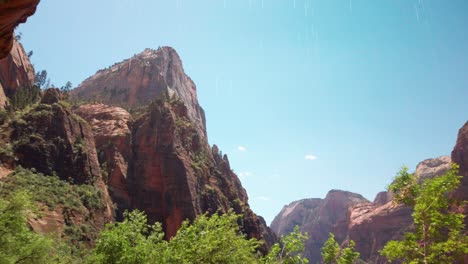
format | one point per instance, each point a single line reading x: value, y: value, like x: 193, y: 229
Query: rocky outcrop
x: 51, y: 139
x: 112, y: 131
x: 139, y: 80
x: 318, y: 217
x: 16, y: 72
x: 158, y: 159
x: 12, y: 13
x: 460, y: 157
x: 370, y: 225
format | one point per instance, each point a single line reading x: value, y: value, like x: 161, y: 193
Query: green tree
x: 438, y: 235
x: 330, y: 250
x: 289, y: 249
x: 333, y: 254
x: 215, y: 239
x: 18, y: 243
x: 130, y: 241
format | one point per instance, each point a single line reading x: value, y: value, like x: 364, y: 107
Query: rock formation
x: 351, y: 217
x: 460, y: 157
x: 49, y: 139
x: 139, y: 80
x: 318, y: 217
x: 157, y: 158
x: 16, y: 71
x: 12, y: 13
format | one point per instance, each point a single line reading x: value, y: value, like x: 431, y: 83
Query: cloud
x: 263, y: 198
x: 243, y: 175
x: 310, y: 157
x: 241, y: 148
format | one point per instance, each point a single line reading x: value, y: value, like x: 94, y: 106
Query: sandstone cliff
x: 318, y: 217
x: 48, y: 139
x: 460, y: 157
x: 156, y: 157
x: 12, y: 13
x: 369, y: 224
x: 139, y: 80
x: 16, y: 71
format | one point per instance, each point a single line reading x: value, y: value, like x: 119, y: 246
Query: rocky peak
x: 318, y: 217
x: 430, y: 168
x: 140, y: 80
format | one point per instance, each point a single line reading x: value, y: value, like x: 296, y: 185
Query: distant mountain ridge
x: 351, y: 217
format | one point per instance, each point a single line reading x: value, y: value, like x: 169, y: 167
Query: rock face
x: 141, y: 79
x: 112, y: 131
x: 51, y: 139
x: 350, y: 217
x: 12, y: 13
x: 16, y: 71
x: 460, y: 157
x: 157, y: 159
x: 318, y: 217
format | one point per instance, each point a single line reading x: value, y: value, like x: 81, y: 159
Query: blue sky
x: 304, y: 96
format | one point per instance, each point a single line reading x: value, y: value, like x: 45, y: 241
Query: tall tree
x: 438, y: 235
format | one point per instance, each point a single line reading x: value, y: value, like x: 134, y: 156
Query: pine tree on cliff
x: 438, y: 236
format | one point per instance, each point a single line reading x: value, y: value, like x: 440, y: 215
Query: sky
x: 304, y: 96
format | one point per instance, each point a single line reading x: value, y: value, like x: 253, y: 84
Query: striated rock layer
x: 16, y: 71
x: 318, y: 217
x: 12, y: 13
x: 350, y: 217
x: 139, y: 80
x: 157, y: 158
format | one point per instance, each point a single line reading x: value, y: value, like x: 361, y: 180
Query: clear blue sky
x: 359, y: 87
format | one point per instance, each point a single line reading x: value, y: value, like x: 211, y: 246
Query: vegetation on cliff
x: 438, y: 236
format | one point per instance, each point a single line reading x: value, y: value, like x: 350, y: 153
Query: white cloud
x: 241, y: 148
x: 243, y: 175
x: 263, y: 198
x: 310, y: 157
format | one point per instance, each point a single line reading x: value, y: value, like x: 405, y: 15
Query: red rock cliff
x: 12, y: 13
x: 370, y: 225
x: 318, y: 217
x: 158, y: 159
x: 16, y: 71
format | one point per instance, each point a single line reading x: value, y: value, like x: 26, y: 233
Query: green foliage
x: 332, y: 253
x: 289, y: 250
x: 19, y: 244
x: 131, y: 241
x: 349, y: 254
x: 438, y: 237
x: 214, y: 239
x: 52, y: 191
x: 405, y: 187
x: 330, y: 250
x: 24, y: 96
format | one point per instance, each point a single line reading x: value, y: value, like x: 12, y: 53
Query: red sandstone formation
x: 12, y: 13
x: 141, y: 79
x: 15, y: 72
x: 460, y: 157
x: 370, y: 225
x: 159, y: 160
x: 318, y: 217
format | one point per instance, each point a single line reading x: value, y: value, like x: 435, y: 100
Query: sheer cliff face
x: 12, y: 13
x: 318, y: 217
x: 157, y: 159
x: 139, y: 80
x: 16, y: 71
x: 350, y: 217
x: 460, y: 157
